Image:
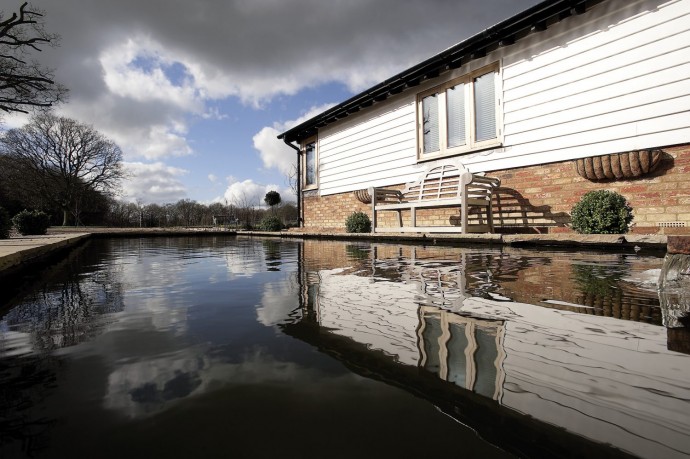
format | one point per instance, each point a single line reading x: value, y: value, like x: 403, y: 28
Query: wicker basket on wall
x: 363, y: 196
x: 619, y: 165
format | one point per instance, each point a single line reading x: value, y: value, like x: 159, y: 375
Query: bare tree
x: 291, y: 178
x: 246, y: 209
x: 24, y: 83
x: 185, y: 210
x: 68, y: 158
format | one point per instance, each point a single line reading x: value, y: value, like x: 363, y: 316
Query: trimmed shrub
x: 271, y: 223
x: 358, y: 222
x: 272, y: 198
x: 5, y: 224
x: 30, y: 223
x: 601, y: 212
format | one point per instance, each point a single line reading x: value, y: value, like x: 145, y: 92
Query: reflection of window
x: 465, y: 351
x: 431, y: 337
x: 485, y: 358
x: 457, y: 360
x: 309, y: 174
x: 460, y: 115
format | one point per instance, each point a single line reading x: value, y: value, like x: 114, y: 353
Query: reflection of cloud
x: 278, y: 302
x: 244, y: 260
x: 148, y: 386
x: 153, y: 292
x: 153, y: 314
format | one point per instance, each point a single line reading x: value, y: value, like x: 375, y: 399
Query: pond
x: 249, y: 347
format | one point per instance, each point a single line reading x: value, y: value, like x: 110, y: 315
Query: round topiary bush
x: 5, y: 224
x: 271, y: 223
x: 601, y: 212
x: 30, y: 223
x: 358, y: 222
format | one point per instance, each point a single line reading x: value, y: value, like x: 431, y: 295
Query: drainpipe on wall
x: 299, y: 183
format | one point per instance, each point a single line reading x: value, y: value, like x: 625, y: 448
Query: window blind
x: 455, y: 101
x: 310, y: 166
x: 485, y: 107
x: 430, y: 124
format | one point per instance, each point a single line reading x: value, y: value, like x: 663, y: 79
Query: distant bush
x: 358, y: 222
x: 601, y: 212
x: 271, y: 223
x: 5, y: 224
x: 30, y: 223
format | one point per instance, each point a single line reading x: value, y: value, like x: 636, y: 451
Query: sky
x: 195, y: 92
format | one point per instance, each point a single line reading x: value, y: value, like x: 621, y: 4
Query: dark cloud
x: 257, y: 48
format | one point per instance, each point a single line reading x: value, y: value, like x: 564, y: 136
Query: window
x: 460, y: 115
x: 309, y: 166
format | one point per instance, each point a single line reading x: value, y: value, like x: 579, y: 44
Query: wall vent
x: 671, y: 224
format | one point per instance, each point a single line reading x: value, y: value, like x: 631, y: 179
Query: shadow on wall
x: 513, y: 213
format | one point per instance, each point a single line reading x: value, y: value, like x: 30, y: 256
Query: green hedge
x: 31, y: 223
x: 601, y: 212
x: 358, y: 222
x: 271, y: 224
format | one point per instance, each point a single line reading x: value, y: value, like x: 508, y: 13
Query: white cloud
x: 153, y: 183
x: 250, y: 193
x: 212, y: 178
x: 155, y: 142
x: 126, y: 79
x: 149, y: 130
x: 274, y: 153
x: 14, y: 120
x: 213, y: 113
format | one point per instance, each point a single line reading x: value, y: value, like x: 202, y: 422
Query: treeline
x: 189, y: 213
x: 20, y: 190
x: 71, y: 172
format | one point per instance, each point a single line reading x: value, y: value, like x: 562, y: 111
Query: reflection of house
x: 602, y: 284
x: 565, y: 97
x: 545, y: 374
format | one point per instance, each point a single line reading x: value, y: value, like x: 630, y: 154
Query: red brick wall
x: 539, y: 198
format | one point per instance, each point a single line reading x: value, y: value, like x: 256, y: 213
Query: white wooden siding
x: 369, y: 150
x: 614, y: 79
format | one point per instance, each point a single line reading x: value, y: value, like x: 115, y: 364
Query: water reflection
x: 452, y: 313
x: 162, y: 340
x: 465, y: 351
x: 62, y: 309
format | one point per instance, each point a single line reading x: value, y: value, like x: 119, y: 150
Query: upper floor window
x: 309, y: 166
x: 460, y: 115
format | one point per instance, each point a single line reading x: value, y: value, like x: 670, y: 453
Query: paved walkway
x: 25, y: 249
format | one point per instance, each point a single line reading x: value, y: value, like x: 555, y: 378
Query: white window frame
x: 471, y: 144
x: 303, y: 159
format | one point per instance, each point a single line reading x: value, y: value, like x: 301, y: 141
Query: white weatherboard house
x: 566, y: 97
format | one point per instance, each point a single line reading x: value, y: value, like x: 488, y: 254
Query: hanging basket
x: 619, y: 165
x: 363, y: 196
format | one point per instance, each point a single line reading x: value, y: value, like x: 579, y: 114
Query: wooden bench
x: 441, y: 186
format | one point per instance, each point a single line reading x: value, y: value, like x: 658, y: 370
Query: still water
x: 241, y: 347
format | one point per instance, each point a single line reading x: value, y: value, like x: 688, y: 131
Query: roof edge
x: 504, y: 33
